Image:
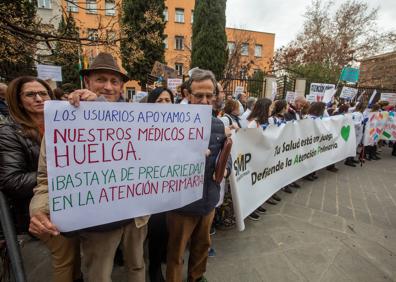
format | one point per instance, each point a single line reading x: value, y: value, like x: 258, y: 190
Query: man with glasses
x: 192, y: 223
x: 104, y: 81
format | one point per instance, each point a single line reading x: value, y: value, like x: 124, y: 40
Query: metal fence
x: 255, y: 87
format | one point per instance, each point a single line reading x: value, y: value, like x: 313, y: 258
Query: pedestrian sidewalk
x: 341, y: 227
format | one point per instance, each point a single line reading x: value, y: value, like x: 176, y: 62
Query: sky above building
x: 285, y: 17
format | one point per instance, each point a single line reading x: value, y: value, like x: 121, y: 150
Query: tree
x: 255, y: 84
x: 329, y: 41
x: 142, y: 44
x: 209, y: 41
x: 66, y: 54
x: 238, y: 65
x: 16, y: 56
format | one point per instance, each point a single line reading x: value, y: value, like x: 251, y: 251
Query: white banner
x: 113, y: 161
x: 265, y: 161
x: 348, y: 93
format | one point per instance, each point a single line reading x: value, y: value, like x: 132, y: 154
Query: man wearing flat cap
x: 103, y: 81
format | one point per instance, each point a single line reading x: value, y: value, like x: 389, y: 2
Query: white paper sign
x: 113, y: 161
x: 348, y: 93
x: 311, y: 98
x: 390, y: 97
x: 274, y: 90
x: 328, y: 95
x: 290, y: 96
x: 49, y: 72
x: 265, y: 161
x: 238, y: 90
x: 139, y: 96
x: 173, y: 83
x: 318, y: 90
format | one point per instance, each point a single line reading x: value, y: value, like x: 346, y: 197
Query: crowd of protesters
x: 89, y: 254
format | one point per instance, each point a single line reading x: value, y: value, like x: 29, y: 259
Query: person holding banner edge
x: 157, y: 234
x: 98, y: 244
x: 256, y: 119
x: 21, y: 136
x: 192, y: 223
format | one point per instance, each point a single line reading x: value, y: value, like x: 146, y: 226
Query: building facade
x: 99, y: 19
x: 378, y: 71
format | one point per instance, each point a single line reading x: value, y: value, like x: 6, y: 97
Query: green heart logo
x: 345, y: 130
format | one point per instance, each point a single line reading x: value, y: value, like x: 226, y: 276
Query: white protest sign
x: 139, y: 96
x: 318, y: 90
x: 238, y: 90
x: 264, y: 161
x: 49, y: 72
x: 274, y: 90
x: 348, y: 93
x: 328, y: 95
x: 290, y: 96
x: 390, y: 97
x: 173, y: 83
x: 310, y: 98
x: 113, y: 161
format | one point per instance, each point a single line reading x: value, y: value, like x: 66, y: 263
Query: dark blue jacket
x: 211, y: 190
x: 3, y: 108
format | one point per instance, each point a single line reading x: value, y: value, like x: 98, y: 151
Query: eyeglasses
x: 33, y: 94
x: 200, y: 96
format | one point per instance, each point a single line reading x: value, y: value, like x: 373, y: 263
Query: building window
x: 92, y: 7
x: 111, y: 36
x: 258, y: 50
x: 179, y: 16
x: 72, y: 6
x: 166, y: 42
x: 179, y: 42
x: 110, y: 8
x: 231, y: 47
x: 130, y: 91
x: 179, y: 68
x: 245, y: 49
x: 44, y: 4
x: 93, y: 34
x: 192, y: 16
x: 166, y: 14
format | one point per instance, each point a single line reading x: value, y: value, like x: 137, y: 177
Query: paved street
x: 341, y: 227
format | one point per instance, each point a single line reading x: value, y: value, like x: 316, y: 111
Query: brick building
x: 378, y: 71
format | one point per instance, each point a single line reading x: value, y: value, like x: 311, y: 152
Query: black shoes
x: 271, y: 202
x: 261, y: 210
x: 276, y: 198
x: 309, y: 177
x: 254, y: 216
x: 349, y: 163
x: 332, y: 168
x: 287, y: 189
x: 294, y: 185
